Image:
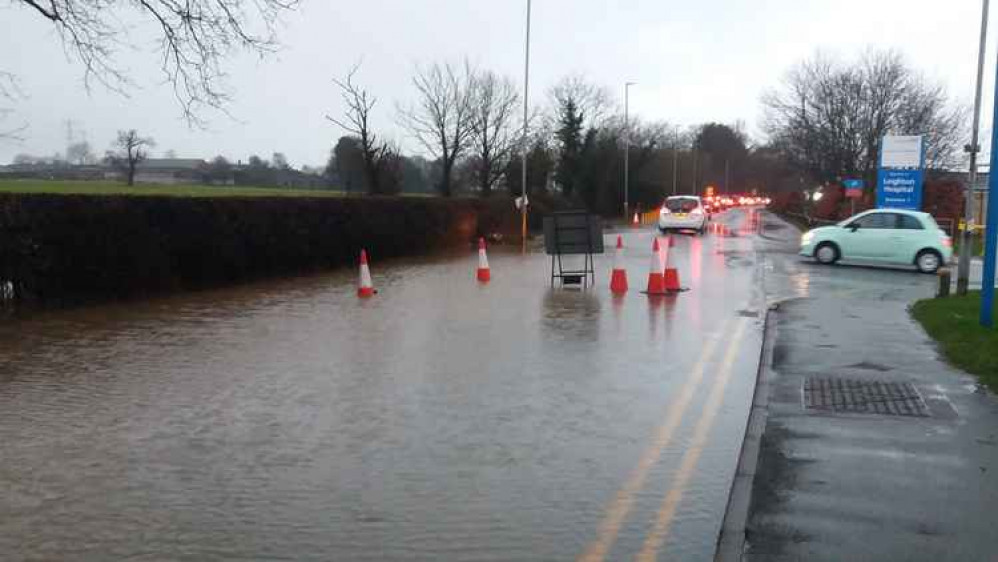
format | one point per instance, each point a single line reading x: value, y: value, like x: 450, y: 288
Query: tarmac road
x: 440, y: 420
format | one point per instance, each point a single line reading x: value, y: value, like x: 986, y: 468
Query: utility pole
x: 627, y: 143
x: 966, y: 244
x: 727, y: 175
x: 675, y: 163
x: 695, y: 181
x: 990, y: 231
x: 523, y: 142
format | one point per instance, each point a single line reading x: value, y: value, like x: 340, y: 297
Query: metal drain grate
x: 861, y: 396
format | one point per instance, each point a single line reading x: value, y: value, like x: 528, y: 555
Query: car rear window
x: 908, y: 222
x: 681, y: 204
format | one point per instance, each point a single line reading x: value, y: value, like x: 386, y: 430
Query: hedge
x: 64, y: 248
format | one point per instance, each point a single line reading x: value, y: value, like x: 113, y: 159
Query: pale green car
x: 881, y: 236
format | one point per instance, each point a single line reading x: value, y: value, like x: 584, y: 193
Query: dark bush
x: 57, y: 248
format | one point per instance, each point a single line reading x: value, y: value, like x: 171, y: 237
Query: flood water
x: 439, y: 420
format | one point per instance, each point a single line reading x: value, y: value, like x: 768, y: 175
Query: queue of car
x: 892, y: 237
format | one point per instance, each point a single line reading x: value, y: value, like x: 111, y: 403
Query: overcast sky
x: 708, y: 60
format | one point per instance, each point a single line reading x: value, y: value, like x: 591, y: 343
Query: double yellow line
x: 622, y: 503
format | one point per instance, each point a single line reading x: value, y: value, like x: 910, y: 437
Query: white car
x: 683, y: 212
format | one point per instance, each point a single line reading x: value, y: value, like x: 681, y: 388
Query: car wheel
x: 928, y: 261
x: 826, y: 253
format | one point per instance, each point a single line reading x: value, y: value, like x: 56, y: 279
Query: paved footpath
x: 910, y: 470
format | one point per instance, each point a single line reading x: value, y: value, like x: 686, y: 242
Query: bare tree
x: 356, y: 120
x: 595, y: 103
x: 828, y: 118
x: 131, y: 149
x: 441, y: 119
x: 493, y: 100
x: 195, y: 37
x: 10, y: 91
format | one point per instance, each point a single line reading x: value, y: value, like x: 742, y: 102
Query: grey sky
x: 692, y: 61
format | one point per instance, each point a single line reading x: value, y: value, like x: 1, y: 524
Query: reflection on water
x: 570, y: 314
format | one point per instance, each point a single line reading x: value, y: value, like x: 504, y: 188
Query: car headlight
x: 807, y: 238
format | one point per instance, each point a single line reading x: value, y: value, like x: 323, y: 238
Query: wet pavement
x: 854, y: 483
x: 439, y: 420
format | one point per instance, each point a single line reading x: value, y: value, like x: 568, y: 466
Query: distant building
x: 170, y: 171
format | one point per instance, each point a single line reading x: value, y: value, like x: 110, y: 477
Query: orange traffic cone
x: 656, y: 282
x: 484, y: 274
x: 365, y: 288
x: 670, y: 278
x: 618, y: 279
x: 636, y: 221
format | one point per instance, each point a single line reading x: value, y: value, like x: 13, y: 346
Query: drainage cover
x: 863, y: 396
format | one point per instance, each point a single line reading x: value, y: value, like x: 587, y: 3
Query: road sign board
x: 854, y: 188
x: 899, y: 179
x: 899, y: 189
x: 901, y: 152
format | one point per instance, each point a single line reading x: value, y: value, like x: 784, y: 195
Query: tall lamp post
x: 963, y: 268
x: 675, y: 163
x: 627, y: 143
x: 523, y: 143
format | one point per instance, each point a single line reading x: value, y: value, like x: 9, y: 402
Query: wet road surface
x: 440, y: 420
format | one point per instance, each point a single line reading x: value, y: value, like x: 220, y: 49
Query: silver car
x: 683, y: 212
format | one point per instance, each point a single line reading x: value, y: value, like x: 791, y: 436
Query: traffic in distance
x: 691, y: 213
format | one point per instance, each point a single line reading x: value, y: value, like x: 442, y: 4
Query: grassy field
x: 118, y: 188
x: 953, y: 322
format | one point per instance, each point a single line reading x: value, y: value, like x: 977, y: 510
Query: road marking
x: 624, y: 500
x: 666, y: 513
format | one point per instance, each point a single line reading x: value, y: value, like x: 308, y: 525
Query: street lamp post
x: 675, y: 163
x: 963, y: 268
x: 627, y: 143
x: 523, y: 143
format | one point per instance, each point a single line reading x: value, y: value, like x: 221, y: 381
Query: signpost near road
x: 901, y: 172
x: 854, y: 191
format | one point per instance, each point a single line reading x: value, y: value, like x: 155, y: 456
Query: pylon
x: 636, y: 221
x: 484, y: 274
x: 365, y: 287
x: 670, y: 277
x: 672, y: 242
x: 618, y: 279
x: 656, y: 282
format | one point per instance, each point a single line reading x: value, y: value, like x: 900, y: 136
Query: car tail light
x: 947, y: 241
x: 666, y: 211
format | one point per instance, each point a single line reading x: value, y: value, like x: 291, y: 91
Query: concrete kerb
x: 731, y: 540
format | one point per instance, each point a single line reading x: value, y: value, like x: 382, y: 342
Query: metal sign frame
x: 573, y: 233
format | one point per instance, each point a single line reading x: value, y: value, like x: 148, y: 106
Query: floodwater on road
x: 441, y: 419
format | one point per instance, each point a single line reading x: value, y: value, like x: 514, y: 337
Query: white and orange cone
x: 618, y: 279
x: 365, y: 288
x: 484, y: 274
x: 670, y: 275
x: 636, y: 221
x: 656, y: 281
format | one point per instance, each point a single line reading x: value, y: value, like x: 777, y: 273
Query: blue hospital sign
x: 899, y: 189
x: 901, y: 171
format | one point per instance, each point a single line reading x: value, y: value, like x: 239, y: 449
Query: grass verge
x: 115, y: 188
x: 953, y: 322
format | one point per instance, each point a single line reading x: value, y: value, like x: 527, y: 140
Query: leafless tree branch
x: 196, y: 36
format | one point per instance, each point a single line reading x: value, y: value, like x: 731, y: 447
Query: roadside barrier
x: 484, y: 274
x: 365, y: 287
x: 618, y: 279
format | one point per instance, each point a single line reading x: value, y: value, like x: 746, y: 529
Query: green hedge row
x: 64, y: 249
